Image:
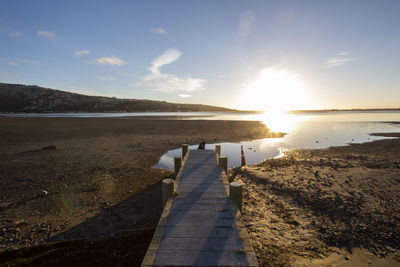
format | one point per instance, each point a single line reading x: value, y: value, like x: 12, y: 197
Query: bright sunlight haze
x: 276, y: 90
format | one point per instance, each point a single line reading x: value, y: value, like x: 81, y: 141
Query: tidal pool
x: 309, y: 134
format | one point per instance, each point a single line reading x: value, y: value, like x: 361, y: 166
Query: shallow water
x: 309, y: 134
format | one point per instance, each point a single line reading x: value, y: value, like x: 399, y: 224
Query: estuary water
x: 316, y: 130
x: 303, y: 130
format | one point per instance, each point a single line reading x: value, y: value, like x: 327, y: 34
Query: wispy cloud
x: 340, y: 59
x: 344, y: 53
x: 13, y: 63
x: 16, y: 34
x: 106, y: 78
x: 184, y: 96
x: 26, y: 61
x: 112, y: 61
x: 165, y: 58
x: 158, y: 30
x: 82, y: 52
x: 18, y: 62
x: 46, y: 34
x: 246, y: 20
x: 169, y: 83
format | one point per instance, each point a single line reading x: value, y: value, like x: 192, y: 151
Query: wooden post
x: 185, y: 148
x: 178, y: 164
x: 223, y: 163
x: 167, y: 190
x: 235, y: 193
x: 218, y: 149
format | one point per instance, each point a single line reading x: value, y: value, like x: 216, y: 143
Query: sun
x: 275, y: 91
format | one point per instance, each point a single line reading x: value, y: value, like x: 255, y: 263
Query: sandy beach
x: 92, y: 196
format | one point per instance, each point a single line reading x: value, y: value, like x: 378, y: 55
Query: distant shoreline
x: 211, y: 111
x: 345, y: 110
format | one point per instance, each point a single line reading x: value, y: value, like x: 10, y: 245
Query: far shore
x: 209, y: 111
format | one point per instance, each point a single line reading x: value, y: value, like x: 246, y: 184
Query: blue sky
x: 345, y: 54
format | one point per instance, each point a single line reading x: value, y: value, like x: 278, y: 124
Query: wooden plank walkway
x: 200, y: 226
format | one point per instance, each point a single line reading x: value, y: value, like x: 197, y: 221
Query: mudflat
x: 83, y: 191
x: 80, y: 191
x: 325, y: 207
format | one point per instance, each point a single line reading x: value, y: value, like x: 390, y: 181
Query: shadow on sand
x: 118, y: 236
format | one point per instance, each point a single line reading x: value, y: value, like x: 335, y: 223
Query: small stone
x: 347, y: 258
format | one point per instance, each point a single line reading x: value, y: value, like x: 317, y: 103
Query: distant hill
x: 36, y: 99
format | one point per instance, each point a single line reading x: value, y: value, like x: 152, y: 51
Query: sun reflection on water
x: 280, y: 121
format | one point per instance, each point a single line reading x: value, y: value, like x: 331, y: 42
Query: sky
x: 237, y: 54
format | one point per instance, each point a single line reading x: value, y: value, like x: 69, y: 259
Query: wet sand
x: 95, y: 200
x: 96, y: 187
x: 325, y: 207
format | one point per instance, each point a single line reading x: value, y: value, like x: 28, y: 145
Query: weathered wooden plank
x: 203, y: 189
x: 193, y: 222
x: 191, y: 231
x: 196, y: 214
x: 202, y: 244
x: 209, y: 200
x: 201, y: 258
x: 202, y: 207
x: 202, y: 194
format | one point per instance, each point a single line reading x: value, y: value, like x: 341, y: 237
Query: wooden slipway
x: 200, y: 226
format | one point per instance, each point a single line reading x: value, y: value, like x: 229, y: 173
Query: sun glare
x: 276, y: 91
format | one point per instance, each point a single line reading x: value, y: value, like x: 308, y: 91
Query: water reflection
x: 280, y: 121
x: 254, y: 151
x: 304, y: 134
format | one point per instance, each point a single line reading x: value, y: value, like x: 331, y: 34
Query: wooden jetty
x: 201, y: 224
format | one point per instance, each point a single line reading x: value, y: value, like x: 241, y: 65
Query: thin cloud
x: 19, y: 62
x: 184, y: 96
x: 25, y: 61
x: 82, y: 52
x: 13, y: 63
x: 345, y: 53
x: 46, y: 34
x: 246, y: 20
x: 340, y: 59
x: 169, y: 83
x: 106, y: 78
x: 16, y: 34
x: 112, y: 61
x: 158, y: 30
x: 167, y: 57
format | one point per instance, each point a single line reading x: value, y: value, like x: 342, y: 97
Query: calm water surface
x: 319, y: 130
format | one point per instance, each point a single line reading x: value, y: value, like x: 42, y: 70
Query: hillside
x: 36, y: 99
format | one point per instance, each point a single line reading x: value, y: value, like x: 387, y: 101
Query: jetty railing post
x: 167, y: 190
x: 177, y: 164
x: 185, y: 148
x: 235, y: 193
x: 223, y: 163
x: 218, y: 149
